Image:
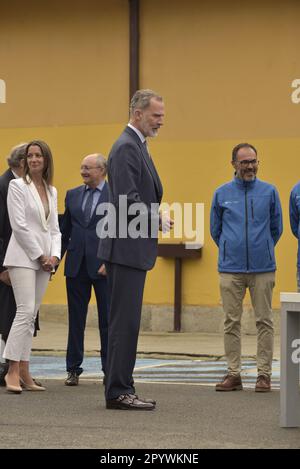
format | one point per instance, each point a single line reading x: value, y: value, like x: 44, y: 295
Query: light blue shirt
x: 96, y: 195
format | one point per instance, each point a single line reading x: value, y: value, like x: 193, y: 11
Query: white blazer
x: 32, y: 234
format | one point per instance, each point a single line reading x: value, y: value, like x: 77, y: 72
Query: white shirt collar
x: 138, y: 132
x: 15, y: 174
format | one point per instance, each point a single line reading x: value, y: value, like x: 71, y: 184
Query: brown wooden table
x: 178, y: 252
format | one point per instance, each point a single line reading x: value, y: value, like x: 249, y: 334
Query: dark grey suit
x: 131, y: 172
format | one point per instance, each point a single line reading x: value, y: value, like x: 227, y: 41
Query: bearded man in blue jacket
x: 246, y: 224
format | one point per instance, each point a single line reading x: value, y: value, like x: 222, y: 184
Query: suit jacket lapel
x: 49, y: 197
x: 78, y: 204
x: 149, y: 163
x: 9, y: 175
x: 39, y: 204
x: 100, y: 199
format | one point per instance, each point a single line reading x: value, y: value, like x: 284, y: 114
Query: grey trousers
x: 233, y: 289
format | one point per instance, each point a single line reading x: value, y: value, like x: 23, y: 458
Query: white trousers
x: 29, y: 286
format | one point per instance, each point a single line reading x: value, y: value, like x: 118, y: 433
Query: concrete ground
x: 53, y: 338
x: 187, y: 416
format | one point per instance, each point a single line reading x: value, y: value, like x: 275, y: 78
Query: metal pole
x: 134, y: 37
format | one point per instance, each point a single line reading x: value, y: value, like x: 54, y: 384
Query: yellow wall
x: 65, y: 64
x: 225, y: 70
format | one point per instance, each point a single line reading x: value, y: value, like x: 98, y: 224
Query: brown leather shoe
x: 230, y: 383
x: 128, y: 402
x: 263, y: 383
x: 151, y: 401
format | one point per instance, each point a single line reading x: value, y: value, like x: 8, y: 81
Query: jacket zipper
x: 224, y: 253
x: 246, y: 214
x: 252, y: 210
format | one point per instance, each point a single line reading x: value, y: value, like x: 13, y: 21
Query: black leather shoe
x: 72, y: 379
x: 3, y: 372
x: 128, y: 402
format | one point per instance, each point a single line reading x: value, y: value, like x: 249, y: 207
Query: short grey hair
x: 141, y: 99
x: 238, y: 147
x: 17, y: 154
x: 101, y: 162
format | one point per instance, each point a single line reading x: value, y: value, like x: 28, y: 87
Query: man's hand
x: 4, y: 277
x: 165, y: 222
x: 102, y: 270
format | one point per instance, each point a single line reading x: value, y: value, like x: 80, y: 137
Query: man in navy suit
x: 83, y: 269
x: 132, y: 175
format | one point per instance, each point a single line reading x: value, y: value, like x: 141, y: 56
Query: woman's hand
x: 46, y: 263
x: 54, y: 261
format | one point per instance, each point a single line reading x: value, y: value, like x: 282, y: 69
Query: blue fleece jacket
x: 295, y: 216
x: 246, y: 223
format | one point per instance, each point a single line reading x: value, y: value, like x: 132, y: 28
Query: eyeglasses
x: 88, y: 168
x: 246, y: 163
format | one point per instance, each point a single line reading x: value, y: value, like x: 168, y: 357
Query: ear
x: 233, y: 164
x: 137, y: 114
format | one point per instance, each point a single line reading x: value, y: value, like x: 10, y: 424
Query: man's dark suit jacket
x: 131, y: 172
x: 80, y: 239
x: 8, y: 304
x: 5, y: 228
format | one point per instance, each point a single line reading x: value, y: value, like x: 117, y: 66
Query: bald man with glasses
x: 83, y: 269
x: 246, y: 223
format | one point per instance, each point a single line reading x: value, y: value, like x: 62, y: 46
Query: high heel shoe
x: 11, y: 388
x: 31, y: 387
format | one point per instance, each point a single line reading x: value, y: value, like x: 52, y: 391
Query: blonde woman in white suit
x: 33, y: 252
